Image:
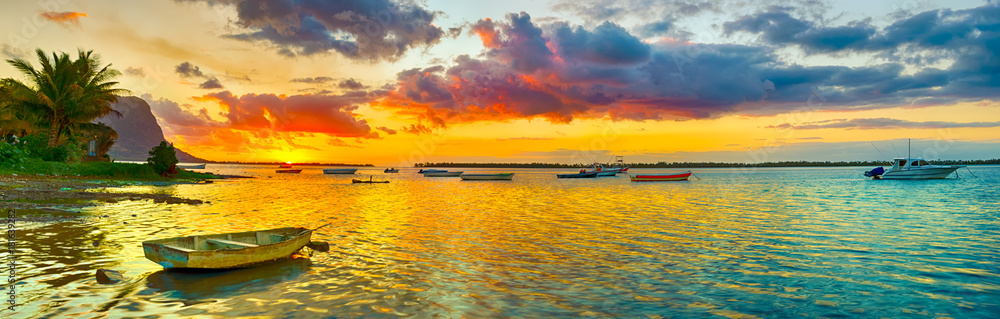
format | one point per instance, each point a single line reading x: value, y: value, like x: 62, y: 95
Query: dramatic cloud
x: 63, y: 18
x: 175, y: 116
x: 358, y: 29
x: 881, y: 124
x: 938, y: 32
x: 329, y: 114
x: 782, y: 28
x: 351, y: 84
x: 188, y: 70
x: 211, y: 83
x: 560, y: 72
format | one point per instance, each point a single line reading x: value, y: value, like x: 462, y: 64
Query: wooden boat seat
x: 179, y: 248
x: 229, y: 242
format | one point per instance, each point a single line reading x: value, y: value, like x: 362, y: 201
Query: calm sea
x: 767, y: 243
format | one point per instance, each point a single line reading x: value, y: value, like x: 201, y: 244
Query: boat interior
x: 231, y: 240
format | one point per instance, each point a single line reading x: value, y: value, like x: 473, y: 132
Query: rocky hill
x: 138, y: 132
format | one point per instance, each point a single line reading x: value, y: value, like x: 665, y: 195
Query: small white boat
x: 912, y: 168
x: 196, y: 166
x: 340, y: 170
x: 391, y: 170
x: 442, y: 174
x: 488, y: 177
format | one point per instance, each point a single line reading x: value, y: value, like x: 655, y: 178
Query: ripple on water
x: 736, y: 243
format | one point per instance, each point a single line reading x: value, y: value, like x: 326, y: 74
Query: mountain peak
x: 138, y: 131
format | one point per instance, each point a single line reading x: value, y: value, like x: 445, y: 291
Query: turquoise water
x: 768, y: 243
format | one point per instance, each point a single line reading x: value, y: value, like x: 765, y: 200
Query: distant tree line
x: 299, y: 164
x: 700, y: 164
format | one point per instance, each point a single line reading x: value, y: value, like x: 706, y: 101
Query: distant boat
x: 912, y: 168
x: 340, y: 170
x: 619, y: 165
x: 488, y: 177
x: 442, y: 174
x: 392, y: 170
x: 577, y: 175
x: 602, y: 171
x: 292, y: 171
x: 285, y: 165
x: 430, y: 171
x: 197, y: 166
x: 228, y: 250
x: 661, y: 177
x: 369, y: 181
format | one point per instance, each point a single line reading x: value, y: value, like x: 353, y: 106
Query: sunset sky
x: 396, y: 82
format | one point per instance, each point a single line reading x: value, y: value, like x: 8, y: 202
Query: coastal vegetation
x: 47, y: 120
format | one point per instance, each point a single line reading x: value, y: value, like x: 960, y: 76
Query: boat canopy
x: 907, y: 163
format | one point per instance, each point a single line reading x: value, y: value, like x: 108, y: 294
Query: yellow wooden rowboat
x: 226, y: 251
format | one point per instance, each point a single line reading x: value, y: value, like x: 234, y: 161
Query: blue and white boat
x: 912, y: 168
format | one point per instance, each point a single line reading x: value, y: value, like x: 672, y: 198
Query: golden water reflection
x: 736, y: 243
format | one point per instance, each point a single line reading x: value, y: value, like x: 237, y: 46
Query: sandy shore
x: 67, y: 193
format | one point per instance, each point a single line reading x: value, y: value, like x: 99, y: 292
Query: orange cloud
x: 63, y: 17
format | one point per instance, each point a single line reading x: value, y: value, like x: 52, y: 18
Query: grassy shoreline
x: 101, y: 170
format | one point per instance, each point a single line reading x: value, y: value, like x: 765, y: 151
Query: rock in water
x: 319, y: 246
x: 108, y: 276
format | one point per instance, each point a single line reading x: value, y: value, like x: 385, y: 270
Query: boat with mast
x: 912, y: 168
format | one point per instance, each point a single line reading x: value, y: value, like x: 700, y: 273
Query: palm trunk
x: 54, y: 133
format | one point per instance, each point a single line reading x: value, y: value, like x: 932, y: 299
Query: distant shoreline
x: 267, y: 163
x: 699, y: 164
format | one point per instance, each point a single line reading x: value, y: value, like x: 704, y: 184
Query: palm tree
x: 64, y: 92
x: 13, y: 119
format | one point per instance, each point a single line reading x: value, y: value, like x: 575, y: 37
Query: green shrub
x: 11, y: 156
x: 36, y: 145
x: 163, y: 159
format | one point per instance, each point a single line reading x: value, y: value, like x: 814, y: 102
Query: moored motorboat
x: 602, y: 171
x: 488, y: 177
x: 288, y: 171
x: 391, y: 170
x: 228, y: 250
x: 577, y: 175
x: 430, y: 171
x: 661, y: 177
x: 340, y: 171
x: 912, y: 168
x: 196, y: 166
x: 442, y: 174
